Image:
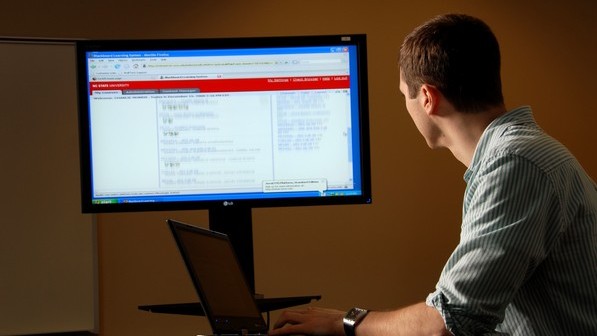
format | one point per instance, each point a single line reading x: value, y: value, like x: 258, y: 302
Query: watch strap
x: 352, y: 319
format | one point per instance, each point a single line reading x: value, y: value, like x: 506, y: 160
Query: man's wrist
x: 352, y: 319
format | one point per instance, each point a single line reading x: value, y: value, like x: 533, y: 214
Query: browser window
x: 273, y: 112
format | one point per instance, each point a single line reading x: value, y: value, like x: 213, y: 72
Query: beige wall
x: 384, y: 255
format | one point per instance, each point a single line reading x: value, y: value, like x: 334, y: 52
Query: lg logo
x: 227, y: 203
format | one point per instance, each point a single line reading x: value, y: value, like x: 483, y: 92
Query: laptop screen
x: 223, y: 290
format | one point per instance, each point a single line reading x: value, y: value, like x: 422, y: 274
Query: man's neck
x: 465, y: 131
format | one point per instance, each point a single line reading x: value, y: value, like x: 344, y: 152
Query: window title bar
x: 217, y: 52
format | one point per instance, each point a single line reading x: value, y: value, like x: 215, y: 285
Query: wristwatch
x: 352, y: 318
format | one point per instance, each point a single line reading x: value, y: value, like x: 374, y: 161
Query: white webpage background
x: 185, y: 144
x: 124, y: 138
x: 215, y: 143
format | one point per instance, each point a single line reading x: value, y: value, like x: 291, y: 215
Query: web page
x: 175, y: 123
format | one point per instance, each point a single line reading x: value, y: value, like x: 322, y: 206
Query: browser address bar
x: 321, y: 61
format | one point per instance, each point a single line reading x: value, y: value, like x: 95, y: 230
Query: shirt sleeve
x: 505, y: 235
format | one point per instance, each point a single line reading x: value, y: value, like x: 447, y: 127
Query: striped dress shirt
x: 526, y: 263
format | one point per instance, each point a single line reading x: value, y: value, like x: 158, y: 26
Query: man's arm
x: 418, y: 319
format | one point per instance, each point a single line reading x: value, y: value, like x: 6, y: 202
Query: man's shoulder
x: 528, y: 143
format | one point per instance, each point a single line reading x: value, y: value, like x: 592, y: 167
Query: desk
x: 264, y: 305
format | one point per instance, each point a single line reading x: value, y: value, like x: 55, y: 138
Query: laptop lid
x: 216, y: 274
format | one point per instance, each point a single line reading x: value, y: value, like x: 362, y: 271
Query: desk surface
x: 264, y: 305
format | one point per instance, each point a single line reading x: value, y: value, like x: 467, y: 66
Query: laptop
x: 223, y: 291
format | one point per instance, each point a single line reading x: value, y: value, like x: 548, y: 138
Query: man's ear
x: 429, y: 99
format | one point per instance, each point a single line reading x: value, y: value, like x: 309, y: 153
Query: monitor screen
x: 206, y: 123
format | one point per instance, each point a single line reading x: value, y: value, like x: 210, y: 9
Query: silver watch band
x: 352, y: 318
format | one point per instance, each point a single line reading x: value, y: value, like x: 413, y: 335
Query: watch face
x: 355, y: 314
x: 352, y: 319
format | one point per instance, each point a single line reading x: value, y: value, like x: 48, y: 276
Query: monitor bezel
x: 85, y: 46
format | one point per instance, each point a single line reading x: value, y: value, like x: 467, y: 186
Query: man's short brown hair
x: 460, y: 56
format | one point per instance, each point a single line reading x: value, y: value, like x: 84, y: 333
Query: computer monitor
x: 223, y: 124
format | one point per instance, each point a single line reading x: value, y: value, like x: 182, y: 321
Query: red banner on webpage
x: 230, y: 85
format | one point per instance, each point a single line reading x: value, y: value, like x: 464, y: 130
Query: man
x: 526, y: 263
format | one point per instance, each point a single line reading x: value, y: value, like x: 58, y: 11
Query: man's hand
x: 310, y: 321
